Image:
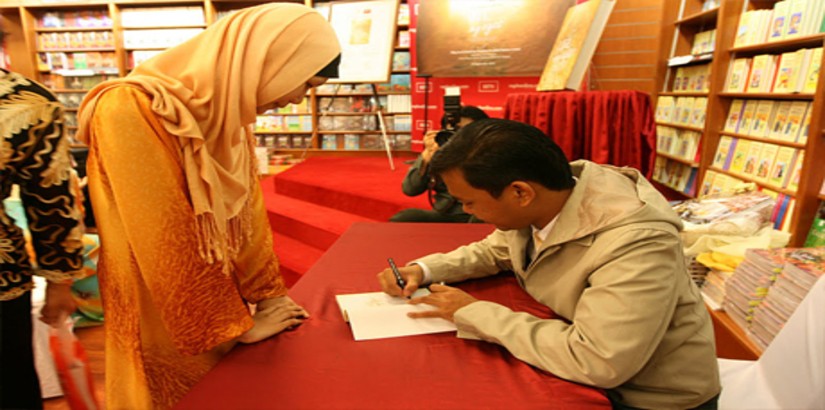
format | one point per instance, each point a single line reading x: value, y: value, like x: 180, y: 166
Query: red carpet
x: 311, y: 204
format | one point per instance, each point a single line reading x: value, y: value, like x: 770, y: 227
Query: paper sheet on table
x: 376, y: 315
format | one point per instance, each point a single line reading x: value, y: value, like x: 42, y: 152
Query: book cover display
x: 575, y: 44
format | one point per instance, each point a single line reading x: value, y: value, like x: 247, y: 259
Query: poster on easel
x: 366, y: 31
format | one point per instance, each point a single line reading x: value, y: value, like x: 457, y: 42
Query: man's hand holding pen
x: 412, y: 276
x: 446, y: 299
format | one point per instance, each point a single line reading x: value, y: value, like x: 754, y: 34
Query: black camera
x: 452, y: 109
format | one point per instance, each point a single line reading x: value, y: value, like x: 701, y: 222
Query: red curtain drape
x: 607, y: 127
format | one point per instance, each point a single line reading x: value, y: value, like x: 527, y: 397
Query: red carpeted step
x: 362, y: 186
x: 296, y: 257
x: 316, y: 225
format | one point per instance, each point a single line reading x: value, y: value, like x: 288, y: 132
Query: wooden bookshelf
x: 682, y: 20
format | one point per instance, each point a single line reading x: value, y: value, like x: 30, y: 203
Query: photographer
x: 418, y: 179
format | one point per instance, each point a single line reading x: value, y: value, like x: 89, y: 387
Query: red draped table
x: 607, y: 127
x: 320, y: 366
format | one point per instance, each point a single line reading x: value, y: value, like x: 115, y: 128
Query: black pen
x: 398, y: 279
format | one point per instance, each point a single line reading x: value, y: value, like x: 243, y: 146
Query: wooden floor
x: 92, y: 340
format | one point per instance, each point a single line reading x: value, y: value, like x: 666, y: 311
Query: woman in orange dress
x: 185, y: 242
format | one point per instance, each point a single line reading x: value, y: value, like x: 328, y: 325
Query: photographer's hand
x: 430, y: 146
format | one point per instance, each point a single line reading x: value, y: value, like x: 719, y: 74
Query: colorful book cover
x: 401, y: 61
x: 812, y: 71
x: 782, y: 166
x: 761, y: 118
x: 752, y: 158
x: 737, y: 165
x: 707, y: 183
x: 796, y: 172
x: 731, y: 150
x: 760, y: 78
x: 700, y: 108
x: 747, y: 118
x: 796, y: 114
x: 787, y: 73
x: 780, y: 119
x: 797, y: 10
x: 574, y: 46
x: 780, y: 16
x: 734, y: 114
x: 805, y: 128
x: 739, y: 73
x: 722, y: 152
x: 763, y: 168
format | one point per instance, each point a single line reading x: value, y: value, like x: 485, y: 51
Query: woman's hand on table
x: 272, y: 316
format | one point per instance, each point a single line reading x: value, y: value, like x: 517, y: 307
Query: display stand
x: 379, y: 116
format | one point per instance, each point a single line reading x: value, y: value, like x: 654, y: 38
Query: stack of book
x: 749, y: 284
x: 801, y: 270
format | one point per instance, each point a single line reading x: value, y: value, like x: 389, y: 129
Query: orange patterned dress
x: 170, y: 316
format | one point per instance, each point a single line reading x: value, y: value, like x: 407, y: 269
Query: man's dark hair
x: 472, y: 112
x: 493, y: 153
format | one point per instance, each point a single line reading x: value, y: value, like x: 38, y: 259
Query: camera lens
x: 443, y: 136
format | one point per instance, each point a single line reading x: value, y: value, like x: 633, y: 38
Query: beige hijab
x: 206, y: 90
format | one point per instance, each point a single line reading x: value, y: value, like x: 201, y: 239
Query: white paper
x: 377, y: 315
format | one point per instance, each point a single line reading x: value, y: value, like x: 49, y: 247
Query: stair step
x: 296, y: 257
x: 313, y: 224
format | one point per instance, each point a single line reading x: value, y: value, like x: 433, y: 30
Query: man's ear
x: 523, y: 192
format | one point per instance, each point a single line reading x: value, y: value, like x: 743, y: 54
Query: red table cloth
x: 607, y: 127
x: 320, y: 366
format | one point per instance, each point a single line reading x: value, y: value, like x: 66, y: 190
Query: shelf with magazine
x: 773, y: 92
x: 688, y: 49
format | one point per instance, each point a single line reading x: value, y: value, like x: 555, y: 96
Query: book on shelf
x: 783, y: 204
x: 740, y: 154
x: 723, y: 152
x: 761, y: 117
x: 738, y: 76
x: 700, y: 108
x: 752, y: 158
x: 684, y: 107
x: 734, y: 115
x: 782, y: 165
x: 793, y: 124
x: 704, y: 42
x: 805, y: 127
x: 748, y: 113
x: 779, y: 120
x: 796, y: 171
x: 762, y: 73
x: 753, y: 27
x: 707, y: 182
x: 575, y: 44
x: 779, y: 21
x: 790, y: 71
x: 329, y: 142
x: 403, y: 38
x: 401, y: 61
x: 811, y: 76
x: 352, y: 142
x: 403, y: 18
x: 766, y: 160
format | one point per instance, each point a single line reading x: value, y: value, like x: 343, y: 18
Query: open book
x: 377, y: 315
x: 575, y: 44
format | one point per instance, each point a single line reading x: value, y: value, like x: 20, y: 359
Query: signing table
x: 320, y: 366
